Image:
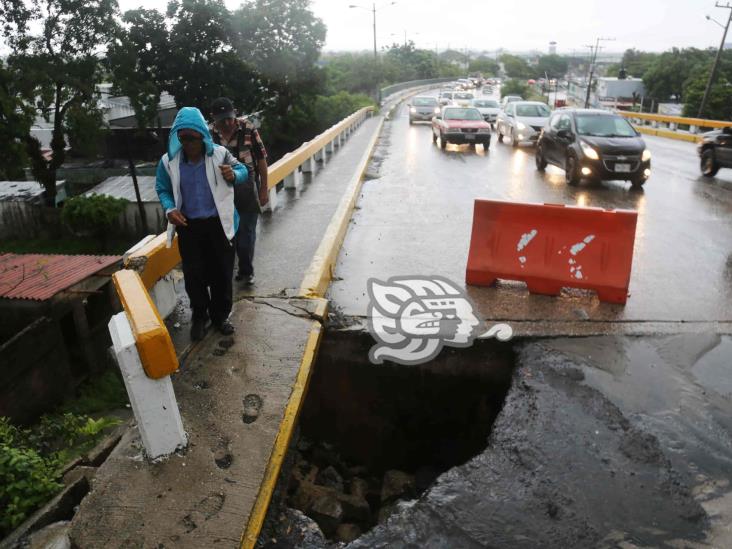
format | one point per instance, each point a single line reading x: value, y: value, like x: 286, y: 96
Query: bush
x: 93, y: 215
x: 329, y: 110
x: 31, y: 461
x: 515, y: 87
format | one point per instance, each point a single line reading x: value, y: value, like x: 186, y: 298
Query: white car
x: 522, y: 121
x: 445, y: 97
x: 462, y: 99
x: 489, y: 108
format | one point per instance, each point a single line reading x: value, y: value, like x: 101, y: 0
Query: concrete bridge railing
x: 674, y: 127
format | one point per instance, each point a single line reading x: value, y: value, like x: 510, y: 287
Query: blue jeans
x: 246, y: 237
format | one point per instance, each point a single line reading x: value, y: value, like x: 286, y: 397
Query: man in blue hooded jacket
x: 195, y: 184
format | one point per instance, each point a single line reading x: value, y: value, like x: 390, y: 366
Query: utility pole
x: 713, y: 72
x: 592, y: 67
x: 373, y: 9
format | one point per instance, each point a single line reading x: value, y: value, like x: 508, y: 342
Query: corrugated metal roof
x: 23, y: 191
x: 121, y: 187
x: 40, y: 276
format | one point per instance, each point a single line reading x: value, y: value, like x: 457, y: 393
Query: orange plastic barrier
x: 551, y: 246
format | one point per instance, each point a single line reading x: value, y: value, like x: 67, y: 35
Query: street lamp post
x: 372, y: 9
x: 713, y: 72
x: 592, y: 68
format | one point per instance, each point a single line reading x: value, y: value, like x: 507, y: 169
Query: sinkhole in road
x: 373, y: 435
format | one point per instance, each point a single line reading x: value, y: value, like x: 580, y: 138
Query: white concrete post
x: 153, y: 400
x: 331, y: 147
x: 293, y: 180
x: 164, y: 296
x: 272, y: 204
x: 322, y: 156
x: 308, y: 166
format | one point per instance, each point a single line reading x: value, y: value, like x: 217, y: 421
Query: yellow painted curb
x: 152, y: 339
x: 320, y: 272
x: 154, y: 260
x: 282, y: 442
x: 660, y: 132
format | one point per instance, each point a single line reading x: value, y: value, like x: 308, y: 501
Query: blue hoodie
x: 190, y: 118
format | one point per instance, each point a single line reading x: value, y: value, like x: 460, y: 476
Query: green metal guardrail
x: 389, y: 90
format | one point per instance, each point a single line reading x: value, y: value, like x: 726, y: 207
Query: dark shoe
x: 226, y: 328
x: 198, y: 330
x: 248, y: 280
x: 239, y: 277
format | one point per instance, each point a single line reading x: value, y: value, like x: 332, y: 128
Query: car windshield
x: 463, y: 96
x: 424, y: 101
x: 462, y: 114
x: 447, y: 95
x: 604, y: 126
x: 535, y: 111
x: 485, y: 103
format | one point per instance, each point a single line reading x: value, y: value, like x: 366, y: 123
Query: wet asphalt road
x: 415, y: 218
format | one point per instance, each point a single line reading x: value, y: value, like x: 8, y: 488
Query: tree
x: 137, y: 58
x: 719, y: 103
x: 53, y: 45
x: 554, y: 66
x: 515, y: 87
x: 201, y: 64
x: 484, y: 65
x: 516, y: 67
x: 668, y: 73
x: 635, y: 63
x: 15, y: 122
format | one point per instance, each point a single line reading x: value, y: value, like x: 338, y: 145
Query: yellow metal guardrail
x: 293, y: 160
x: 154, y: 260
x: 678, y: 120
x: 152, y: 339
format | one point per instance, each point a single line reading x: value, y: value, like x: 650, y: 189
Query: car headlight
x: 589, y: 152
x: 437, y: 110
x: 412, y: 110
x: 521, y: 126
x: 646, y: 155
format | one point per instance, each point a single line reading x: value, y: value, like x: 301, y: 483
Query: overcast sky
x: 653, y: 25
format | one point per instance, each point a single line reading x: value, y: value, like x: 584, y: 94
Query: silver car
x: 489, y: 108
x: 423, y: 108
x: 522, y: 121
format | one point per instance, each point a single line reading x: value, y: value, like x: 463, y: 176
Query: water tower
x: 552, y: 48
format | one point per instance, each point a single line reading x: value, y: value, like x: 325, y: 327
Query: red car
x: 461, y: 125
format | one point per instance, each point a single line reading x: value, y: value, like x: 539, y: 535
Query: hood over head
x: 189, y: 118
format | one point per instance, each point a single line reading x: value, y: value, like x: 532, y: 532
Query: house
x: 54, y: 311
x: 21, y: 215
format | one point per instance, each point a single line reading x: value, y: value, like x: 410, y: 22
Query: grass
x: 69, y: 246
x: 98, y: 394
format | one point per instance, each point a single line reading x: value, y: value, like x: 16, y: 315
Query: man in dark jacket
x: 242, y: 139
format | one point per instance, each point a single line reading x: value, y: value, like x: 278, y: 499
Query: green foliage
x: 136, y: 59
x: 85, y: 128
x: 332, y: 109
x: 635, y: 62
x: 516, y: 67
x: 515, y: 87
x: 27, y: 480
x: 92, y: 214
x: 484, y: 65
x: 98, y: 394
x: 719, y: 103
x: 53, y: 45
x: 668, y: 73
x: 554, y: 66
x: 15, y: 123
x: 31, y: 460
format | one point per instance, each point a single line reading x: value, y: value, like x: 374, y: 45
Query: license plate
x: 625, y: 168
x: 470, y: 136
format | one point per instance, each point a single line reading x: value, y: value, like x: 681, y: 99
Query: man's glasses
x: 188, y: 138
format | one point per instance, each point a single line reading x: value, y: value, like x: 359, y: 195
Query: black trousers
x: 208, y: 268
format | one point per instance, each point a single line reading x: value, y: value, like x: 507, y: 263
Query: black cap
x: 222, y: 108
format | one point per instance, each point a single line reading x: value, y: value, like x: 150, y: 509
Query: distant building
x: 552, y: 48
x: 727, y: 46
x: 618, y: 92
x: 20, y: 214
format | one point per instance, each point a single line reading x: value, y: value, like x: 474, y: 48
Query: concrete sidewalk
x: 239, y: 397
